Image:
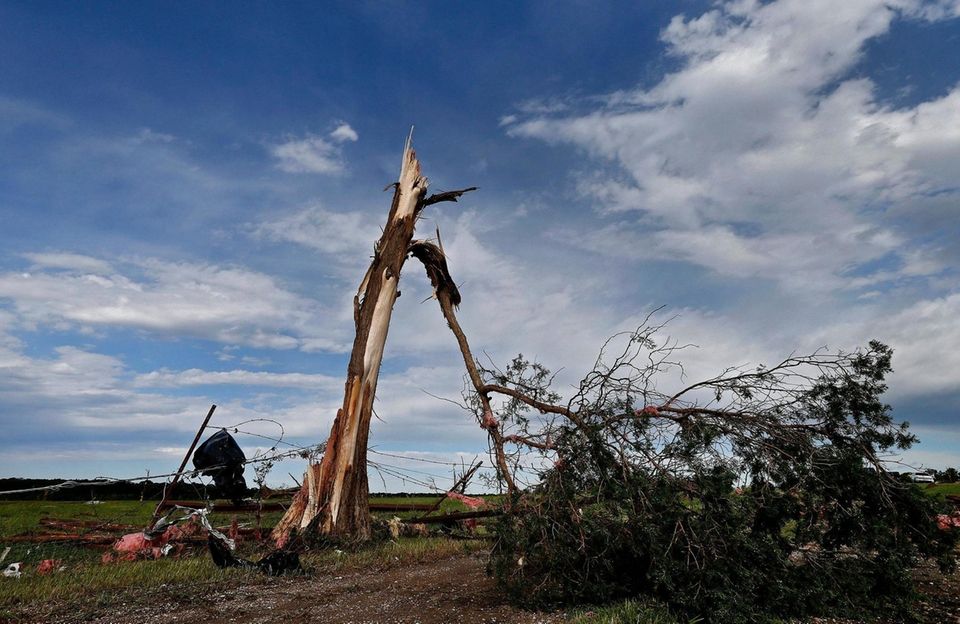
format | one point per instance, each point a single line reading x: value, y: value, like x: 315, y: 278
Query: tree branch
x: 450, y: 196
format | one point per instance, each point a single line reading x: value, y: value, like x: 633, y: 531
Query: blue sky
x: 189, y: 196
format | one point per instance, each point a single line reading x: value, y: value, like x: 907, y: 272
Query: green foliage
x: 949, y: 475
x: 817, y: 527
x: 940, y: 489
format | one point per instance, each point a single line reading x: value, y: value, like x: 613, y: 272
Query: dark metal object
x: 176, y: 479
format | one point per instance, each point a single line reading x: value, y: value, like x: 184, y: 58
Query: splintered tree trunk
x: 333, y: 498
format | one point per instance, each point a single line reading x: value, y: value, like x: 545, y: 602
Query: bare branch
x: 450, y: 196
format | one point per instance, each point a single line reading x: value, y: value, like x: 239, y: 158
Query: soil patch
x: 448, y: 590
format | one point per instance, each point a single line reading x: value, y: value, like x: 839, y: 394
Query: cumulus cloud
x: 313, y: 153
x: 343, y: 132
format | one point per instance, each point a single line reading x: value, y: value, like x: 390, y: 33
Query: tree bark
x: 333, y: 498
x: 448, y: 296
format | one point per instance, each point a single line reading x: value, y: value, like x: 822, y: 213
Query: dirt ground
x: 449, y: 590
x: 446, y: 591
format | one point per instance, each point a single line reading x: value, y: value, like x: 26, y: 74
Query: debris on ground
x: 394, y: 525
x: 12, y: 570
x: 277, y: 563
x: 470, y: 501
x: 222, y: 458
x: 398, y: 528
x: 163, y: 538
x: 134, y: 545
x: 50, y: 565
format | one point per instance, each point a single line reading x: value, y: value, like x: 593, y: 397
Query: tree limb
x: 450, y: 196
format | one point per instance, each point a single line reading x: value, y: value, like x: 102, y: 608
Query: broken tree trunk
x: 448, y: 296
x: 333, y: 498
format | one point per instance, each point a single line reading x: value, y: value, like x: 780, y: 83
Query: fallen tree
x: 754, y: 494
x: 747, y: 496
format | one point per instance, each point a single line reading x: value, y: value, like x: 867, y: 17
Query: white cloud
x: 15, y: 113
x: 347, y: 234
x: 73, y: 371
x: 310, y: 154
x: 72, y: 261
x: 231, y: 305
x: 751, y: 160
x: 343, y: 133
x: 146, y: 135
x: 313, y: 153
x: 196, y: 377
x: 925, y: 337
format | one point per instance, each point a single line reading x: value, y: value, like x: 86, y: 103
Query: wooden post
x: 167, y: 490
x: 333, y: 499
x: 459, y: 486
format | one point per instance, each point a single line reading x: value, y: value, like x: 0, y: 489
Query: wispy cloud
x: 231, y: 305
x: 323, y: 230
x: 197, y: 377
x: 753, y: 160
x: 70, y: 261
x: 313, y: 153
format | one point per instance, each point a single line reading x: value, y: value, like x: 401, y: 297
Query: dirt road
x: 450, y: 590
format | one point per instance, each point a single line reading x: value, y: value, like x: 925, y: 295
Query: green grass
x: 100, y: 584
x: 627, y: 612
x: 942, y: 489
x: 24, y: 516
x: 88, y: 582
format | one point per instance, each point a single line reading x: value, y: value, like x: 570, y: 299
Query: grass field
x: 86, y: 575
x: 87, y: 584
x: 943, y: 489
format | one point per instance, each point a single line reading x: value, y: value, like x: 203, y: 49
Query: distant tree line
x: 107, y: 490
x: 950, y: 475
x: 125, y: 490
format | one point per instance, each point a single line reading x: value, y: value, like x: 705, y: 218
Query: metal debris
x: 12, y: 570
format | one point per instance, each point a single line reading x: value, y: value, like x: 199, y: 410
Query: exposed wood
x: 333, y: 499
x: 291, y: 519
x: 167, y: 490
